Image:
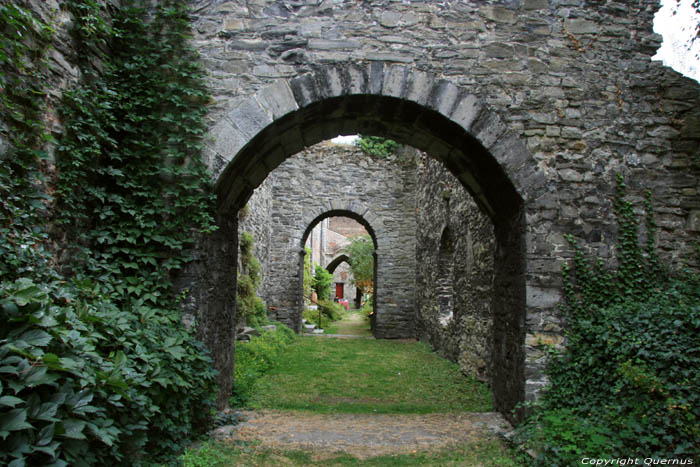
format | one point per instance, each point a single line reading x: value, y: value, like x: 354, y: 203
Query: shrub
x: 377, y: 146
x: 87, y: 383
x: 312, y: 317
x: 322, y: 283
x: 333, y: 310
x: 255, y: 358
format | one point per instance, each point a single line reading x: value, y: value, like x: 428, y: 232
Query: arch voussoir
x: 277, y: 98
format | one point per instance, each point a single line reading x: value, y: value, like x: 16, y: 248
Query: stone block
x: 277, y: 98
x: 443, y: 97
x: 304, y: 90
x: 540, y: 298
x: 498, y: 14
x: 580, y: 26
x: 419, y: 85
x: 466, y: 111
x: 394, y: 81
x: 225, y: 139
x: 693, y: 223
x: 249, y: 117
x: 488, y: 128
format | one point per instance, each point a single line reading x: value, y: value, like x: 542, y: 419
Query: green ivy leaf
x: 14, y: 420
x: 10, y: 401
x: 73, y: 428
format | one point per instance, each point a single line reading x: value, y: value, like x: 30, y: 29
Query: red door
x: 339, y: 290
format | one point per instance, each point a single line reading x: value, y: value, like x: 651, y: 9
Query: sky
x: 676, y: 50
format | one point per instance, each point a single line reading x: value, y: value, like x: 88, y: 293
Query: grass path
x: 354, y: 323
x: 367, y: 376
x: 339, y: 401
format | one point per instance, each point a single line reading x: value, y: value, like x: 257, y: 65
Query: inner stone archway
x: 417, y: 109
x: 344, y: 212
x: 331, y: 267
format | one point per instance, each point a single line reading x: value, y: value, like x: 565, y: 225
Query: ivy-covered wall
x: 103, y: 193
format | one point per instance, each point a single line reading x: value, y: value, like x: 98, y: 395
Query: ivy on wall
x: 249, y: 307
x: 134, y: 128
x: 627, y: 383
x: 96, y: 366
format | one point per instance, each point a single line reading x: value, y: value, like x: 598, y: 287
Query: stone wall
x: 573, y: 78
x: 461, y: 328
x: 328, y: 180
x: 535, y: 106
x: 343, y: 275
x: 256, y: 218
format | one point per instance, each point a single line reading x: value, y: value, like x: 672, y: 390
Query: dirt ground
x: 363, y: 435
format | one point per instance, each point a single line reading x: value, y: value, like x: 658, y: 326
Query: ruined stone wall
x: 464, y: 337
x: 572, y: 79
x: 325, y: 179
x: 343, y: 274
x: 256, y: 218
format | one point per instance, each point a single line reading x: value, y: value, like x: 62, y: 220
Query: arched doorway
x: 340, y: 258
x: 417, y: 109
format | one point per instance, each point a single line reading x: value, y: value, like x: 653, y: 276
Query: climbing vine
x: 133, y: 129
x: 249, y: 307
x: 96, y: 367
x: 23, y: 41
x: 626, y: 384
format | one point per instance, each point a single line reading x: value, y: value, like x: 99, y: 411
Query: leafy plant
x: 625, y: 386
x: 377, y: 146
x: 255, y: 358
x: 322, y: 283
x: 360, y: 252
x: 132, y: 187
x: 249, y: 307
x: 97, y: 369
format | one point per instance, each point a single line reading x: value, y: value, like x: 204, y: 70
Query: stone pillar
x: 509, y: 318
x: 210, y: 282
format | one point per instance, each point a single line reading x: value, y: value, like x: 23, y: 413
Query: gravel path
x: 363, y: 435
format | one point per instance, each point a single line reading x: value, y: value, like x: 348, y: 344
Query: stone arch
x: 342, y: 208
x: 335, y: 262
x: 351, y: 210
x: 415, y: 108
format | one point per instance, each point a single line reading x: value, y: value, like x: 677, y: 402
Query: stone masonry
x: 462, y: 333
x: 329, y: 180
x: 534, y: 105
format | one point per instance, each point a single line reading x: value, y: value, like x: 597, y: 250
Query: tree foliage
x: 322, y: 283
x: 360, y: 252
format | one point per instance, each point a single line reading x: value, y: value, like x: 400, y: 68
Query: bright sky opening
x: 677, y: 51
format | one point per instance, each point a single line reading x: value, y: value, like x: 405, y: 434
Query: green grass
x: 328, y: 375
x: 354, y: 323
x: 481, y: 453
